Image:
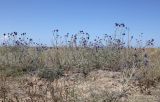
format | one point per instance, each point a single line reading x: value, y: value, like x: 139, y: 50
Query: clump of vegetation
x: 51, y: 74
x: 19, y: 54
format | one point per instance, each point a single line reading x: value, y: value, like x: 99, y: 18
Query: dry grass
x: 104, y: 70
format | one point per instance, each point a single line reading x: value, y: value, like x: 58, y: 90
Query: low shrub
x: 51, y: 74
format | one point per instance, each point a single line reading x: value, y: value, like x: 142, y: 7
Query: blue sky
x: 39, y: 17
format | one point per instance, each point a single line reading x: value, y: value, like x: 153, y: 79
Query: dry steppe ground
x: 100, y: 71
x: 98, y: 86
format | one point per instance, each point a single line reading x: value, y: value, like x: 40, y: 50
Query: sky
x: 38, y: 18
